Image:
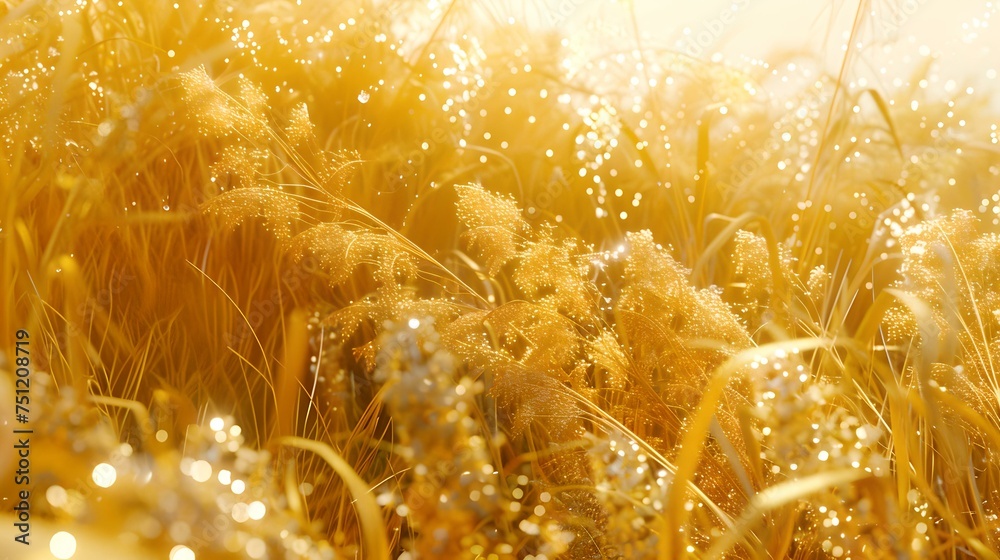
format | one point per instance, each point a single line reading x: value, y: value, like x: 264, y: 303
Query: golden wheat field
x: 533, y: 279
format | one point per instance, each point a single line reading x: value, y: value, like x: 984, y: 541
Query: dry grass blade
x: 694, y: 438
x: 775, y: 497
x: 369, y: 514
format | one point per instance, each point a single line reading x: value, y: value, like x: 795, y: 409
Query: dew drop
x: 181, y: 552
x: 104, y: 475
x: 62, y: 545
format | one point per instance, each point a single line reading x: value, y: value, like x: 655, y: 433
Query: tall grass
x: 397, y: 279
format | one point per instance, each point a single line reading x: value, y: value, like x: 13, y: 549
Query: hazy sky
x: 954, y: 32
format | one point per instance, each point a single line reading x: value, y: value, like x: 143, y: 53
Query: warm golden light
x: 546, y: 279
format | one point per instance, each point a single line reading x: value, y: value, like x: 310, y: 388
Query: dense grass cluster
x: 395, y: 279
